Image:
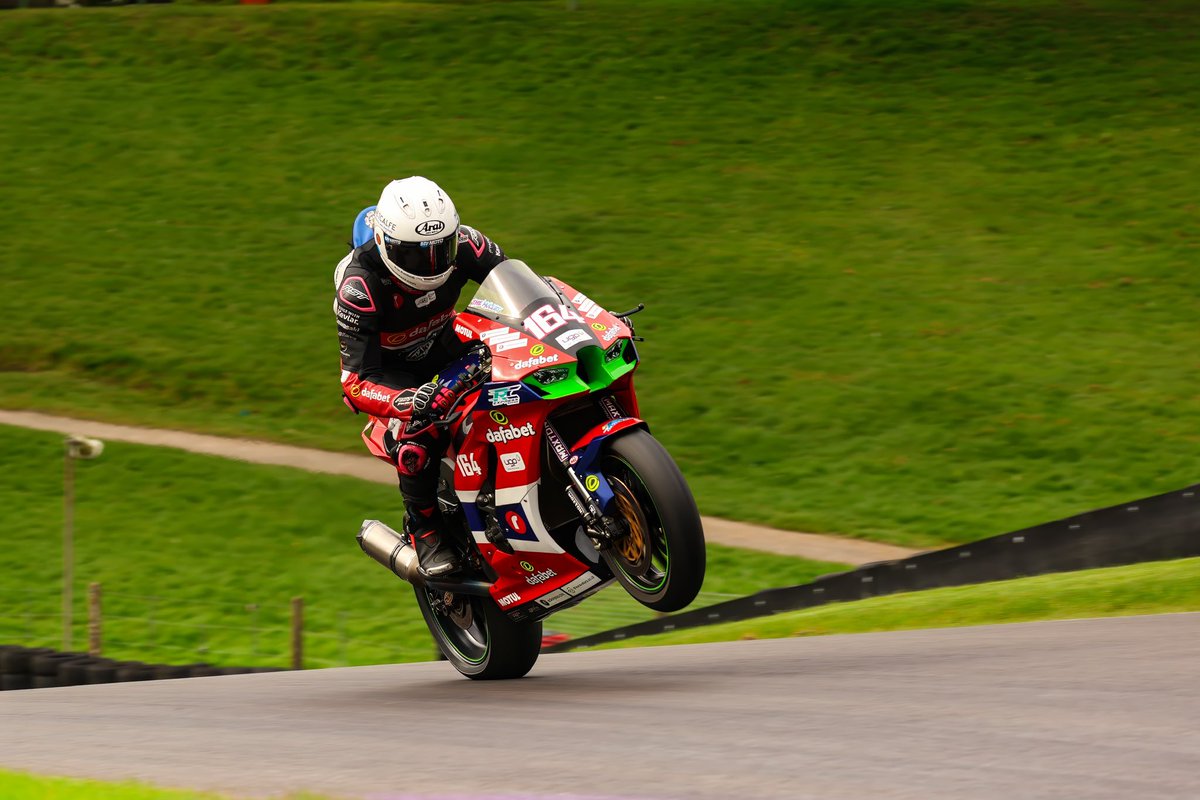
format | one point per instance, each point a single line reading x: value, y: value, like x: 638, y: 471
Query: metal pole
x: 68, y: 544
x: 74, y: 447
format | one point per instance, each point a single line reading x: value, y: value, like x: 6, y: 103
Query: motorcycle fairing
x: 570, y: 350
x: 373, y: 434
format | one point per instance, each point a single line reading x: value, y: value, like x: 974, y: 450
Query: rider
x: 395, y: 311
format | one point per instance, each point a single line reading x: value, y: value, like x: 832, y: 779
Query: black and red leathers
x: 394, y: 339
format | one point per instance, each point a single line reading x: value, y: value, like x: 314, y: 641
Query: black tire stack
x: 44, y: 668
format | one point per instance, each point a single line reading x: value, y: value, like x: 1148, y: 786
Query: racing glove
x: 431, y: 401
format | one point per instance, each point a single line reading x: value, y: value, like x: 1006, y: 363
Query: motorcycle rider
x: 395, y: 311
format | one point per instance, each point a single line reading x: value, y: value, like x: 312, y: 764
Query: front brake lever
x: 624, y: 317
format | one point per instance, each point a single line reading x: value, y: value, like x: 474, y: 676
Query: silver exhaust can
x: 390, y: 549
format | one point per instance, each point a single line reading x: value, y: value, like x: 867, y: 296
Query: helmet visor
x: 423, y: 259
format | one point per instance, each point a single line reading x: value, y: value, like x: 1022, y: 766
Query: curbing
x: 1156, y: 528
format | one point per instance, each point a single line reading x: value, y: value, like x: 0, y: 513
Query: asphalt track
x: 1078, y: 709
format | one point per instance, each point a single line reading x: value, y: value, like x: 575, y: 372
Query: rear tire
x: 479, y: 639
x: 661, y: 561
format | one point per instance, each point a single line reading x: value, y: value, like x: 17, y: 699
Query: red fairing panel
x: 589, y: 309
x: 372, y: 434
x: 515, y: 353
x: 523, y: 577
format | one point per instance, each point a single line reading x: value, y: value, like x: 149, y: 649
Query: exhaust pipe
x: 390, y: 549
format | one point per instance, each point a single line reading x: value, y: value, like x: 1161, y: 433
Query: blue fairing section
x: 474, y: 518
x: 588, y: 457
x: 362, y: 231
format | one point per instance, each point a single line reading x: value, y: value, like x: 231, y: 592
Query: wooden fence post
x: 68, y: 545
x: 297, y: 633
x: 95, y: 620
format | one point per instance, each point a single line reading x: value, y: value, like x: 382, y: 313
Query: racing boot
x: 435, y: 555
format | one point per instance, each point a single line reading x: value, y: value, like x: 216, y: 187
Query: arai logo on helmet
x: 430, y: 227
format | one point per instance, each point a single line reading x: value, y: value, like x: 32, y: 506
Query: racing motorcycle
x: 551, y: 478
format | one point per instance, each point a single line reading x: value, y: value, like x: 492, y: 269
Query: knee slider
x: 412, y: 458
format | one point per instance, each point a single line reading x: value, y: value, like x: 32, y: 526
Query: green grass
x: 916, y: 270
x: 1151, y: 588
x: 199, y: 557
x: 22, y: 786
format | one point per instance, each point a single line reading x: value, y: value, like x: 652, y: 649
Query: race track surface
x: 1092, y: 709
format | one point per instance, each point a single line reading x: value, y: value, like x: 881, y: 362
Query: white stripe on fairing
x: 527, y: 496
x: 512, y: 495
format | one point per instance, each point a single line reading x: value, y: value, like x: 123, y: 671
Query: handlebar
x: 464, y: 382
x: 624, y: 317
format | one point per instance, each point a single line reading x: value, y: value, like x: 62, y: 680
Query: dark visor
x: 424, y: 259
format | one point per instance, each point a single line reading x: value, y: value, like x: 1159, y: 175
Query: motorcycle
x: 551, y: 475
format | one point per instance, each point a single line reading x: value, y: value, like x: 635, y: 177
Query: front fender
x: 590, y: 440
x: 587, y: 453
x: 588, y: 446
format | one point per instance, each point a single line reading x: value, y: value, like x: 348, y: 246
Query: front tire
x: 477, y: 637
x: 661, y: 560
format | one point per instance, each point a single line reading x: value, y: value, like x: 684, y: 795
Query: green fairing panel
x: 590, y: 361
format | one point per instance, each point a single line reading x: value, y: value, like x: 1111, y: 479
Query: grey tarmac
x: 1102, y: 709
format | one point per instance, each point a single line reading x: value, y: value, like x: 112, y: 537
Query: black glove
x: 432, y: 401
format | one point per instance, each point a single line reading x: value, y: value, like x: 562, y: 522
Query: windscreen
x: 511, y: 290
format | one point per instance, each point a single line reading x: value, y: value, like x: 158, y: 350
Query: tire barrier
x: 44, y: 668
x: 1157, y: 528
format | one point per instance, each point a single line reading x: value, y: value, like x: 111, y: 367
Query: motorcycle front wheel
x: 660, y: 560
x: 477, y: 637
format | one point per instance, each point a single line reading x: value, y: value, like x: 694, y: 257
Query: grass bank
x: 1153, y: 588
x: 916, y: 271
x: 22, y: 786
x: 199, y: 558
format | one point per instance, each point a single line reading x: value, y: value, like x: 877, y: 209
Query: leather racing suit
x: 393, y: 340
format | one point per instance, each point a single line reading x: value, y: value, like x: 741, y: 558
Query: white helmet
x: 416, y: 231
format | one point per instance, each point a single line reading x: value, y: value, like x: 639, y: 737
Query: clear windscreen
x: 511, y: 290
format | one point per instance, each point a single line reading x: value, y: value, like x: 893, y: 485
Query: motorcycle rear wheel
x: 661, y: 560
x: 479, y: 639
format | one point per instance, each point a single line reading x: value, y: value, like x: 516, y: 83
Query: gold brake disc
x: 632, y: 546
